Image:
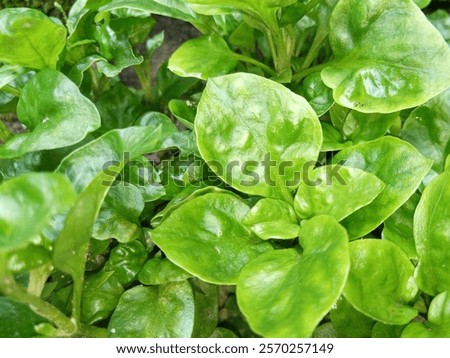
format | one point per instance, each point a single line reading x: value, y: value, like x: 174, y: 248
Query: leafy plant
x: 285, y: 174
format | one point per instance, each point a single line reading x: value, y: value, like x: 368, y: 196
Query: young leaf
x: 381, y: 283
x: 319, y: 96
x: 256, y: 135
x: 272, y: 219
x: 398, y: 164
x: 205, y: 237
x: 285, y: 294
x: 398, y: 228
x: 432, y: 236
x: 34, y: 199
x: 438, y: 325
x: 165, y: 311
x: 56, y: 113
x: 428, y: 129
x: 28, y: 38
x: 203, y: 57
x: 388, y: 57
x: 337, y: 191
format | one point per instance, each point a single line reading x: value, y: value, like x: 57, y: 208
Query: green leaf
x: 101, y: 294
x: 206, y: 298
x: 56, y: 113
x: 119, y: 107
x: 34, y: 199
x: 357, y: 126
x: 349, y: 322
x: 332, y: 138
x: 26, y: 259
x: 29, y: 38
x: 381, y: 283
x: 432, y: 236
x: 20, y: 319
x: 203, y: 57
x: 165, y: 311
x: 272, y: 219
x: 221, y: 332
x: 441, y: 20
x: 422, y: 3
x: 117, y: 147
x: 398, y: 164
x: 205, y: 237
x: 158, y: 271
x: 428, y: 129
x: 319, y: 96
x: 337, y: 191
x: 398, y: 228
x: 388, y: 57
x: 126, y: 260
x: 119, y: 215
x: 9, y: 73
x: 381, y: 330
x: 285, y: 294
x: 438, y: 325
x: 70, y: 249
x: 184, y: 111
x: 256, y: 135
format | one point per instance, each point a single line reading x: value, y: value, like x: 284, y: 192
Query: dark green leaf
x: 206, y: 308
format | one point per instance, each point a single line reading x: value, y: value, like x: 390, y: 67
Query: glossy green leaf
x: 441, y: 20
x: 381, y: 283
x: 398, y: 228
x: 428, y: 129
x: 204, y: 235
x: 126, y: 260
x: 432, y: 236
x: 34, y: 199
x: 256, y: 135
x: 184, y: 111
x: 158, y: 271
x: 119, y: 215
x: 203, y: 57
x: 29, y: 38
x: 357, y: 126
x: 118, y: 146
x: 336, y: 190
x: 381, y: 330
x: 272, y: 219
x: 164, y: 311
x: 56, y: 113
x: 101, y: 294
x: 398, y: 164
x: 206, y: 298
x: 332, y: 138
x: 9, y: 73
x: 349, y: 322
x: 388, y: 56
x: 26, y: 259
x: 285, y: 294
x: 438, y: 324
x: 319, y: 96
x: 18, y: 320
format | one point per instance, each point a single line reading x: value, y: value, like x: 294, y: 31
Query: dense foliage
x: 285, y: 174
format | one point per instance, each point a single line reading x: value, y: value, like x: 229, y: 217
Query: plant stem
x: 314, y: 49
x: 10, y: 288
x: 92, y: 332
x: 11, y: 90
x: 247, y: 59
x: 144, y: 74
x: 5, y: 133
x: 300, y: 75
x: 311, y: 5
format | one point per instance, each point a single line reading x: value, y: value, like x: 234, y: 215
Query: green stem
x: 37, y: 279
x: 300, y: 75
x: 5, y: 133
x: 11, y: 90
x: 92, y: 332
x: 311, y: 5
x: 10, y: 288
x: 247, y: 59
x: 273, y: 50
x: 144, y: 74
x: 314, y: 49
